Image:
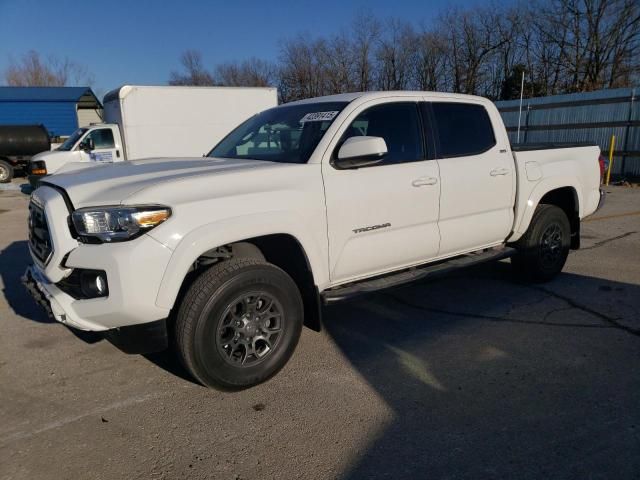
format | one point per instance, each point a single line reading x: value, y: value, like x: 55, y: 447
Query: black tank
x: 24, y: 140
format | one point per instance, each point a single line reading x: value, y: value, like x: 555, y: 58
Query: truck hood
x: 49, y: 154
x: 112, y: 184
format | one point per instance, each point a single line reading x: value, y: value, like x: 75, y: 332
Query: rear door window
x: 462, y: 129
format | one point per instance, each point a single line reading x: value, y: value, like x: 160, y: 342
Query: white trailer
x: 157, y: 121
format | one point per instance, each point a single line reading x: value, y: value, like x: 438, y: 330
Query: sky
x: 140, y: 41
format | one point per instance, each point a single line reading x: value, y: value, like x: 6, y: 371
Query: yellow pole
x: 611, y: 147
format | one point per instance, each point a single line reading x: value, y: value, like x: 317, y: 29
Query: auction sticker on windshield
x: 319, y: 117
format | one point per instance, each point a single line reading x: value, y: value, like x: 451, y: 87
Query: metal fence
x: 582, y: 117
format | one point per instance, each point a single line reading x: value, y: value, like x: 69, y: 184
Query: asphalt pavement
x: 471, y: 376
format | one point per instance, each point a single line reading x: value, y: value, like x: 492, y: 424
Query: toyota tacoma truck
x: 227, y: 257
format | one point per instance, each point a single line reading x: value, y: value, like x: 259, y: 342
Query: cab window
x: 102, y: 138
x: 398, y: 123
x: 287, y: 134
x: 463, y: 129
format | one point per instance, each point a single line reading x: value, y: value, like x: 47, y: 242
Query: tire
x: 6, y: 172
x: 543, y: 249
x: 218, y: 340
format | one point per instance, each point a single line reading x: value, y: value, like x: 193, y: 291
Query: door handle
x: 422, y: 181
x: 499, y: 171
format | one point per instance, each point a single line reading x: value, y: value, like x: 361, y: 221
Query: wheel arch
x: 563, y: 193
x: 283, y: 250
x: 566, y: 198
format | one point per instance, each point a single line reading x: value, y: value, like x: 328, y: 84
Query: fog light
x: 101, y: 284
x: 94, y: 283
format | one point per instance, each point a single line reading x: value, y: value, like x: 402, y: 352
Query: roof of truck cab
x: 349, y: 97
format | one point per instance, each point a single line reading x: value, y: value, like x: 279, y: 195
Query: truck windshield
x: 71, y: 141
x: 287, y: 134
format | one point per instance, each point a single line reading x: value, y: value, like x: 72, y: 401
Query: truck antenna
x: 520, y: 111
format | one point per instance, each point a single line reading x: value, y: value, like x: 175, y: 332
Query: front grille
x: 39, y: 237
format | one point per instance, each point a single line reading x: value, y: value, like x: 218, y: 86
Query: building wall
x: 582, y: 117
x: 87, y: 116
x: 59, y: 118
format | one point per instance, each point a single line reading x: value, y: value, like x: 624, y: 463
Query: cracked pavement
x: 469, y: 376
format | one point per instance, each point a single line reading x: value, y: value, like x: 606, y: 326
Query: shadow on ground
x: 14, y: 259
x: 168, y: 361
x: 491, y: 379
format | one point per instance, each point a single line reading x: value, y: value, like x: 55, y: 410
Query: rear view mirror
x: 358, y: 152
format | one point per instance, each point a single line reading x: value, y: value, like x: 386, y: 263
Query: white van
x: 167, y: 121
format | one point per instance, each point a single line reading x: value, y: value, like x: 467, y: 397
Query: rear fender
x: 527, y: 206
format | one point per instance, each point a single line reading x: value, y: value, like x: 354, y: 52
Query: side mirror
x: 358, y: 152
x: 87, y: 145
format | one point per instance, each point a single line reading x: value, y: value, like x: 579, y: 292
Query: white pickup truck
x: 302, y: 205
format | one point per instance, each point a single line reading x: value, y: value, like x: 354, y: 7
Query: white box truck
x: 157, y: 121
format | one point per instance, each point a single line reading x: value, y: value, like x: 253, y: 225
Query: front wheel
x: 239, y: 323
x: 543, y: 249
x: 6, y: 172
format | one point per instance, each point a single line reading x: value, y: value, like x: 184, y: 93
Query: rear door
x: 477, y: 176
x: 383, y: 217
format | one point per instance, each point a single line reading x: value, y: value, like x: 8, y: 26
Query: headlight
x: 38, y: 167
x: 119, y: 223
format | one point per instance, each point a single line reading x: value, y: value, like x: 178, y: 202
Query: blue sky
x: 140, y: 41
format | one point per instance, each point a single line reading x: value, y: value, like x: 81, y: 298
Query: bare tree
x: 194, y: 72
x: 249, y: 73
x: 31, y: 70
x: 429, y: 62
x: 365, y: 33
x: 559, y: 45
x: 301, y: 74
x: 336, y: 62
x: 394, y: 54
x: 584, y: 45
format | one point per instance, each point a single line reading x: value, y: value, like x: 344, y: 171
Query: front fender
x: 236, y: 229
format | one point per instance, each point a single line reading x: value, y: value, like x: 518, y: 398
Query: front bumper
x: 142, y: 338
x: 134, y: 271
x: 55, y: 302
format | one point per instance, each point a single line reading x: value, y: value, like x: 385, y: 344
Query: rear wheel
x: 6, y: 172
x: 239, y: 323
x: 543, y: 250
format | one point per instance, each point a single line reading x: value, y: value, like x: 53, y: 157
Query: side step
x: 416, y: 273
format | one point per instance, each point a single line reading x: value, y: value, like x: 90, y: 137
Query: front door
x: 383, y: 217
x: 104, y: 146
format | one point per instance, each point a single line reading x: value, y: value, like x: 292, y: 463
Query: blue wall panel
x: 59, y: 118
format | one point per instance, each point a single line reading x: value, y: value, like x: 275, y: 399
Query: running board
x: 351, y: 290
